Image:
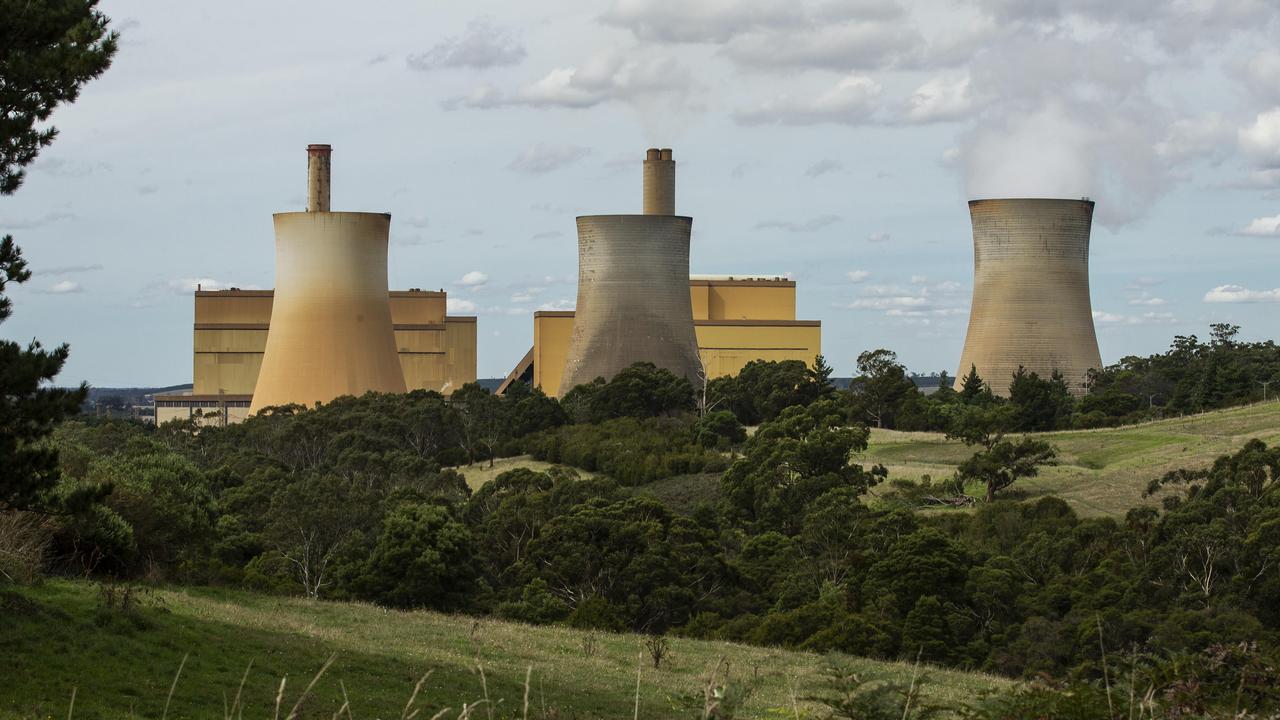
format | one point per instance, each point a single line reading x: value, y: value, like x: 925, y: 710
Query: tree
x: 423, y: 558
x: 641, y: 390
x: 1039, y: 405
x: 48, y: 50
x: 764, y: 388
x: 484, y: 421
x: 973, y: 389
x: 792, y: 461
x: 880, y: 388
x: 1004, y: 462
x: 310, y: 520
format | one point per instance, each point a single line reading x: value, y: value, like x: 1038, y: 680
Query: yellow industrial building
x: 736, y: 320
x: 437, y: 351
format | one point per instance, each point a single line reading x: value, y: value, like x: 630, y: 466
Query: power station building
x: 330, y: 328
x: 1031, y: 303
x: 736, y: 319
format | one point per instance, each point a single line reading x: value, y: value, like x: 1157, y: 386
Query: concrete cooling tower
x: 330, y: 331
x: 1030, y: 292
x: 633, y: 287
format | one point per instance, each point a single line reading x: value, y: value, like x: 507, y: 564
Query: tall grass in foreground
x: 721, y: 700
x: 844, y: 695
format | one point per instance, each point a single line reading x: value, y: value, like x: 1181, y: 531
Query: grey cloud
x: 822, y: 167
x: 148, y: 189
x: 543, y: 158
x: 483, y: 45
x: 806, y: 226
x: 604, y: 77
x: 852, y: 45
x: 63, y: 168
x: 1174, y: 25
x: 70, y: 269
x: 780, y: 34
x: 1259, y: 74
x: 33, y: 223
x: 682, y: 21
x: 852, y: 101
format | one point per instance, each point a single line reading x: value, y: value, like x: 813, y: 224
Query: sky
x: 836, y: 142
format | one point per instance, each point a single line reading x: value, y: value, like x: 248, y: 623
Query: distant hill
x: 129, y: 396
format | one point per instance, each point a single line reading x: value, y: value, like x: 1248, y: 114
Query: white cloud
x: 61, y: 287
x: 1147, y: 299
x: 858, y: 276
x: 543, y: 158
x: 852, y: 101
x: 921, y: 303
x: 459, y: 305
x: 1241, y: 294
x: 483, y: 45
x: 557, y: 305
x: 879, y: 237
x: 1262, y: 227
x: 1102, y: 317
x: 1260, y: 141
x: 940, y: 99
x: 475, y: 278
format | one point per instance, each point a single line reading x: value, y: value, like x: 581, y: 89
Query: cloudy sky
x: 835, y: 141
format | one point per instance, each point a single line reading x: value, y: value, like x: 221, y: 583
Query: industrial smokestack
x: 318, y: 177
x: 659, y: 182
x: 1030, y: 292
x: 330, y: 332
x: 633, y: 287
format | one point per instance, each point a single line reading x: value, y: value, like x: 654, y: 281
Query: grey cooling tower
x: 1030, y: 292
x: 633, y: 287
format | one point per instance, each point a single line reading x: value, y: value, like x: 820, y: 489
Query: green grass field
x: 480, y: 473
x: 1100, y: 472
x: 56, y: 638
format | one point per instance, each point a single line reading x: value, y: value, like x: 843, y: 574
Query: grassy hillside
x: 481, y: 473
x: 1100, y: 472
x: 58, y: 637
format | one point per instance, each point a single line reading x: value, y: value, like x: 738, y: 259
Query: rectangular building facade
x: 736, y: 320
x: 437, y: 350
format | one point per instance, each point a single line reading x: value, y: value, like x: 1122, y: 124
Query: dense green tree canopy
x: 48, y: 51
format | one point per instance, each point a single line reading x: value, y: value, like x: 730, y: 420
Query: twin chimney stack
x: 318, y: 177
x: 659, y: 182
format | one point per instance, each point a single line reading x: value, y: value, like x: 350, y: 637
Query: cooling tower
x: 1030, y: 292
x: 633, y: 287
x: 330, y: 331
